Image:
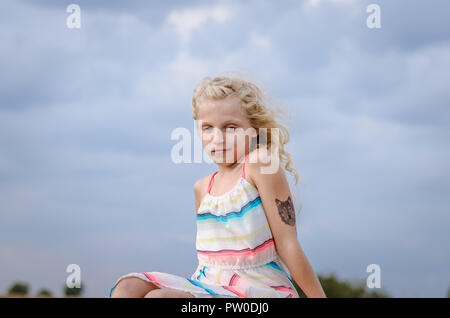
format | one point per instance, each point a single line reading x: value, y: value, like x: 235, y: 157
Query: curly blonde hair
x: 254, y: 103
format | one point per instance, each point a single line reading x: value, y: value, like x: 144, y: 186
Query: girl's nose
x: 217, y: 135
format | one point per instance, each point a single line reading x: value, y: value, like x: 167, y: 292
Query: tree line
x: 332, y: 286
x: 21, y: 289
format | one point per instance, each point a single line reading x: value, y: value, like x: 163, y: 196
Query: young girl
x: 246, y: 231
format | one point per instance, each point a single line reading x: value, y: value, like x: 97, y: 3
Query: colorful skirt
x: 265, y: 281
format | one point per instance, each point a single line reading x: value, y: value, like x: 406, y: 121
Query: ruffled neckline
x: 228, y: 192
x: 216, y: 198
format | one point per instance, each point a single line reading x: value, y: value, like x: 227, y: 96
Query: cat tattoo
x: 286, y: 210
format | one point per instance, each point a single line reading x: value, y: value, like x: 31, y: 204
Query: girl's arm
x: 277, y: 203
x: 200, y: 191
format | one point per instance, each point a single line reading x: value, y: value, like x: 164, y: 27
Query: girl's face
x: 225, y: 131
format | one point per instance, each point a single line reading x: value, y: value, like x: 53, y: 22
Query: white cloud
x: 315, y: 3
x: 311, y: 3
x: 343, y: 2
x: 188, y: 20
x: 173, y: 80
x: 363, y: 143
x: 260, y: 40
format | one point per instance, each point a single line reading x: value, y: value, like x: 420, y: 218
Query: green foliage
x: 335, y: 288
x: 74, y: 292
x: 44, y: 293
x: 332, y: 286
x: 18, y: 288
x: 299, y: 290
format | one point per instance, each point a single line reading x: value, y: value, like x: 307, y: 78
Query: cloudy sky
x: 86, y: 115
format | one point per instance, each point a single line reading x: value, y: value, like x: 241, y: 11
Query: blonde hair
x: 254, y: 103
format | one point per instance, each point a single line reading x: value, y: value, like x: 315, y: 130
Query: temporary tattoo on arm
x: 286, y: 210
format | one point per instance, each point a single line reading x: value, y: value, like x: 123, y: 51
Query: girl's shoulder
x: 258, y: 160
x: 200, y: 190
x: 202, y: 183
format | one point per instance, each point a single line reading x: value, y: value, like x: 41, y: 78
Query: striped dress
x: 235, y: 249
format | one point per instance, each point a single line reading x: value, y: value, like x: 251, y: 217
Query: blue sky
x: 86, y: 116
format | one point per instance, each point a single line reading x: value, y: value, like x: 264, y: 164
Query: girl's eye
x: 206, y: 128
x: 232, y: 128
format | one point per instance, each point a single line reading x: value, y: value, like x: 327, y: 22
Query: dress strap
x: 212, y: 177
x: 243, y: 166
x: 210, y: 180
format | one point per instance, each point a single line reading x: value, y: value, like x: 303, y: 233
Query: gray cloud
x: 86, y: 117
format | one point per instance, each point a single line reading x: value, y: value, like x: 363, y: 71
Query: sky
x: 86, y: 116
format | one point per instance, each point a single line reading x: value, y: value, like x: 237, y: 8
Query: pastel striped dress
x: 235, y: 249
